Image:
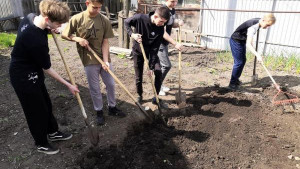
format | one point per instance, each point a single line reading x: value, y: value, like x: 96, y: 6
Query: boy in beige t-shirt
x: 90, y: 28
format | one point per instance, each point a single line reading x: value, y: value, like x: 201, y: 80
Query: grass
x: 7, y: 40
x: 121, y: 55
x: 290, y: 63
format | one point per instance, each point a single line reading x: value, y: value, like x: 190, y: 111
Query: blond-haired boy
x: 242, y: 38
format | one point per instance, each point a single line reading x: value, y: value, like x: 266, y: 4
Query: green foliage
x: 283, y: 62
x: 3, y: 119
x: 224, y: 56
x: 66, y: 49
x: 121, y: 55
x: 49, y: 36
x: 7, y: 40
x: 212, y: 71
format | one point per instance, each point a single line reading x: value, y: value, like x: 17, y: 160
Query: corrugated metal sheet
x: 282, y: 38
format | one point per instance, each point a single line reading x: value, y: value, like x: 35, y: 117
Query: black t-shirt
x: 152, y: 36
x: 30, y: 54
x: 169, y: 25
x: 240, y: 34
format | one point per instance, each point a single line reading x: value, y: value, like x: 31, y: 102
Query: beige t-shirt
x: 94, y: 30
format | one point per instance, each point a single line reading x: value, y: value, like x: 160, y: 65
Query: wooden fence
x: 76, y: 6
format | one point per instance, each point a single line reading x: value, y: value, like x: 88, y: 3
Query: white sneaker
x: 162, y: 93
x: 165, y: 89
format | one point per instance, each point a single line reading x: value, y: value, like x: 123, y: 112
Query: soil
x: 218, y: 129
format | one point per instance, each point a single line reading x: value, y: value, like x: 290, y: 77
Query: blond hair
x: 270, y: 18
x: 55, y: 10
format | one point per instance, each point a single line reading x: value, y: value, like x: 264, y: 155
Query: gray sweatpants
x: 164, y: 60
x: 92, y: 73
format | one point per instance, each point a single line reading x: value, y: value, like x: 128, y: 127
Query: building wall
x: 281, y: 38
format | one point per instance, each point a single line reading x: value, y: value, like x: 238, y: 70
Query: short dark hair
x: 163, y: 12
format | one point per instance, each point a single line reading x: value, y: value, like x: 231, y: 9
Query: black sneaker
x: 100, y: 118
x: 47, y: 149
x: 140, y: 99
x: 59, y: 136
x: 162, y: 104
x: 114, y: 111
x: 233, y: 87
x: 239, y: 83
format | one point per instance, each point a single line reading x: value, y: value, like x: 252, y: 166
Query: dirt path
x: 219, y: 129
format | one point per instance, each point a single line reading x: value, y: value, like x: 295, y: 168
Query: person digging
x: 149, y: 30
x: 242, y: 38
x: 163, y: 48
x: 29, y: 60
x: 90, y: 28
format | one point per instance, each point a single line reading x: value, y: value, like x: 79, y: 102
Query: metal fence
x: 10, y: 12
x: 283, y: 38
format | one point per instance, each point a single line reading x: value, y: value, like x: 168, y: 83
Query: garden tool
x: 92, y: 131
x: 151, y: 79
x: 143, y: 113
x: 255, y: 76
x: 292, y: 98
x: 180, y: 96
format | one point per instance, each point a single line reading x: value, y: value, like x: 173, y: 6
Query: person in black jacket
x: 29, y: 60
x: 242, y: 38
x: 149, y: 30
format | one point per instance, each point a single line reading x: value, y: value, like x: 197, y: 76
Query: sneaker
x: 114, y: 111
x: 162, y: 104
x: 47, y: 149
x: 239, y: 83
x: 162, y: 93
x: 233, y: 87
x: 100, y: 118
x: 140, y: 99
x: 59, y: 136
x: 165, y: 89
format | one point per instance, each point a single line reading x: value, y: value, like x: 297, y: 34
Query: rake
x: 292, y: 97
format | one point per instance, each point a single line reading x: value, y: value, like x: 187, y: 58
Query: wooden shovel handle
x: 120, y: 83
x: 179, y: 63
x: 70, y: 76
x: 151, y: 79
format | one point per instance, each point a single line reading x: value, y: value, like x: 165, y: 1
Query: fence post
x: 268, y: 32
x: 200, y: 22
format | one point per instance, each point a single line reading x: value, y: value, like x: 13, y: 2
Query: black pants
x: 37, y: 108
x: 138, y: 60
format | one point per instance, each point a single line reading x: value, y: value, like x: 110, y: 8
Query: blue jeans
x: 238, y: 51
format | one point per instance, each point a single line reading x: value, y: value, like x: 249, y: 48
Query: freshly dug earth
x: 219, y: 128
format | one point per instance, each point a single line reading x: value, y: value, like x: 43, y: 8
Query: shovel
x: 92, y: 131
x: 180, y: 96
x: 143, y: 113
x: 151, y: 79
x: 255, y: 76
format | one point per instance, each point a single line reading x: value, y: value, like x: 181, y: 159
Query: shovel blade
x: 254, y: 80
x: 181, y: 99
x: 93, y: 135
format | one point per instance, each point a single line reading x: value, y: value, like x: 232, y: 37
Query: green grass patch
x: 290, y: 63
x: 121, y: 55
x: 7, y: 40
x: 50, y: 36
x: 224, y: 56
